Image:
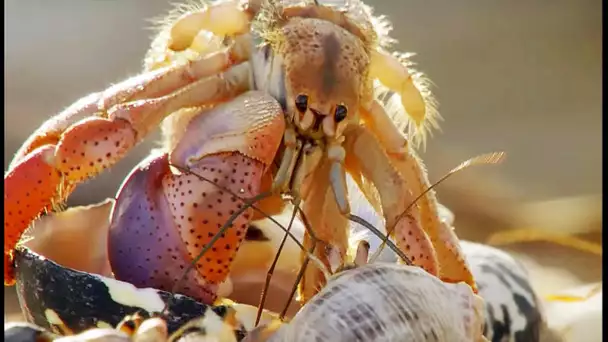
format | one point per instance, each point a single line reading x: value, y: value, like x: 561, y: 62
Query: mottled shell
x: 513, y: 309
x: 387, y: 302
x: 66, y: 301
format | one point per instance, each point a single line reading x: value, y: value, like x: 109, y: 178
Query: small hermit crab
x: 257, y: 99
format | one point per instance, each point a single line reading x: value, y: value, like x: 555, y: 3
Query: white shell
x: 387, y: 302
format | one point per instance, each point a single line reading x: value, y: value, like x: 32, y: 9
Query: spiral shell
x: 387, y: 302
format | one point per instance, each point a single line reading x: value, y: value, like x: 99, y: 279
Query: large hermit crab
x: 257, y: 99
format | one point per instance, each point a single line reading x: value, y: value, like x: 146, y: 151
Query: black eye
x: 340, y: 113
x: 302, y: 103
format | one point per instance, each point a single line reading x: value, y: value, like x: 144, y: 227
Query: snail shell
x: 513, y: 309
x: 387, y: 302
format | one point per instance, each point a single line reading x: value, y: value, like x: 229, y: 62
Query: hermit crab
x: 258, y: 100
x: 67, y: 300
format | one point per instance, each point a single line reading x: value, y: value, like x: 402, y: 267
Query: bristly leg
x: 412, y: 89
x: 310, y: 252
x: 421, y: 207
x: 453, y: 266
x: 227, y: 18
x: 101, y: 129
x: 367, y: 157
x: 330, y: 227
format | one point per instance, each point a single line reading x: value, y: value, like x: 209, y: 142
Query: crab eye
x: 302, y: 103
x: 340, y: 113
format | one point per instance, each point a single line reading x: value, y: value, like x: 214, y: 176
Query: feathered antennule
x: 268, y: 23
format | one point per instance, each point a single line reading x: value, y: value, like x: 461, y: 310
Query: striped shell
x: 387, y: 302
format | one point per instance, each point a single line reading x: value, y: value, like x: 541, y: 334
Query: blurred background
x: 519, y: 77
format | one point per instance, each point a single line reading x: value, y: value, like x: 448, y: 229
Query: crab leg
x: 452, y: 263
x: 390, y: 72
x: 227, y: 18
x: 164, y: 216
x: 325, y: 216
x: 366, y: 156
x: 79, y: 145
x: 416, y: 101
x: 163, y: 81
x: 285, y: 170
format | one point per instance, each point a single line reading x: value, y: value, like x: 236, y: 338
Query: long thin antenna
x: 274, y: 263
x: 379, y: 234
x: 308, y: 228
